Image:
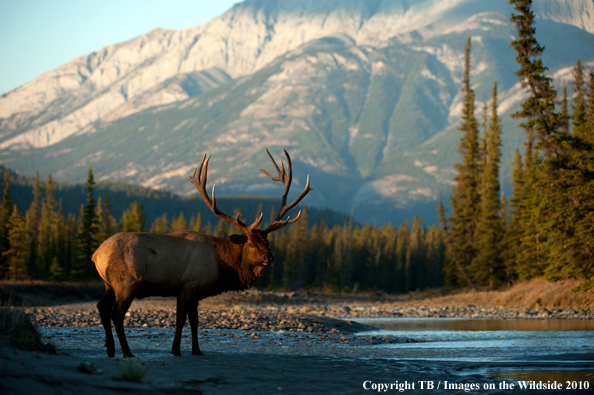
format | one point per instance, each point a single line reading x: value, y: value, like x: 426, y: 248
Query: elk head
x: 256, y: 251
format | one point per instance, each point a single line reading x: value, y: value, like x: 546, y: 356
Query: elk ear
x: 238, y: 239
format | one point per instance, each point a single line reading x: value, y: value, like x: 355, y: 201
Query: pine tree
x: 465, y: 197
x: 513, y: 233
x: 579, y: 121
x: 71, y: 244
x: 18, y: 253
x: 133, y: 219
x: 161, y: 225
x: 87, y: 236
x: 33, y: 218
x: 56, y: 270
x: 402, y: 246
x: 443, y: 220
x: 487, y: 267
x: 295, y: 267
x: 589, y: 130
x: 541, y: 124
x: 179, y: 223
x: 196, y: 223
x: 5, y: 215
x: 564, y: 115
x: 46, y: 235
x: 107, y: 224
x: 415, y: 259
x: 568, y: 206
x: 222, y: 229
x: 538, y: 110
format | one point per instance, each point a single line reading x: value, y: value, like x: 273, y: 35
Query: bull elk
x: 189, y: 265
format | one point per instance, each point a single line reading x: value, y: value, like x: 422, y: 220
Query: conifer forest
x: 483, y: 239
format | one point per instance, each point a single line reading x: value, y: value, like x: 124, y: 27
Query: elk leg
x: 118, y: 314
x: 105, y: 305
x: 193, y: 316
x: 183, y: 304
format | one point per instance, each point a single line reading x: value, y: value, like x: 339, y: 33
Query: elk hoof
x: 111, y: 350
x: 198, y: 352
x: 128, y: 355
x: 176, y: 353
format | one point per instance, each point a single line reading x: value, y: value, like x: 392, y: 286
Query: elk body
x: 188, y: 265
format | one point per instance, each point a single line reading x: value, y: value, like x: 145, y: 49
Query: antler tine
x: 286, y: 178
x: 256, y: 223
x: 199, y: 180
x: 280, y: 174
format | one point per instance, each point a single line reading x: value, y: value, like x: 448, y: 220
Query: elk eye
x: 250, y: 244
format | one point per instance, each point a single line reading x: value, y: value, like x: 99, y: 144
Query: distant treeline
x: 155, y: 203
x: 547, y: 227
x: 323, y: 248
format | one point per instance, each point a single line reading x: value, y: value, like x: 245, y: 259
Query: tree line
x: 547, y: 227
x: 45, y: 243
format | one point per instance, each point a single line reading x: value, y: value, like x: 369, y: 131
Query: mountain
x: 365, y: 96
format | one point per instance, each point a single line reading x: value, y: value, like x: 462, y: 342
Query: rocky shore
x: 255, y: 312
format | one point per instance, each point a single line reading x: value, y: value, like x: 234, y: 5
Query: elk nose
x: 268, y: 260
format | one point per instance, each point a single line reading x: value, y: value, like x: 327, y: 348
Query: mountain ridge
x: 372, y: 117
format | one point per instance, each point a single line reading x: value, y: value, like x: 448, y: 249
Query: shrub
x: 22, y: 330
x: 131, y: 371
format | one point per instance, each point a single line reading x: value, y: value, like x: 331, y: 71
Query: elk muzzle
x: 267, y: 260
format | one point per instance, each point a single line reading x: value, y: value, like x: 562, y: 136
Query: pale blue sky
x: 39, y: 35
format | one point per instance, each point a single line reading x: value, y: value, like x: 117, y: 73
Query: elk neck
x: 236, y: 273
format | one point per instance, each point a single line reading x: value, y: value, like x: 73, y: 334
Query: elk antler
x: 200, y: 184
x: 286, y: 179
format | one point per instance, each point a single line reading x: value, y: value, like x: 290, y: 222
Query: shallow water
x: 442, y: 339
x: 483, y: 340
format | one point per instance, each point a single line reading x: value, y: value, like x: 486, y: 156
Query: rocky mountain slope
x: 365, y: 95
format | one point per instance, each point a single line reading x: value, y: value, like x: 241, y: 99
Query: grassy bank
x: 536, y: 294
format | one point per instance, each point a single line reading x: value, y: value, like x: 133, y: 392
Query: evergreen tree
x: 487, y: 267
x: 133, y: 219
x: 161, y: 225
x: 579, y: 121
x: 295, y: 265
x: 47, y: 232
x: 70, y: 243
x: 196, y: 223
x: 107, y: 223
x: 514, y: 231
x: 4, y: 225
x: 434, y: 257
x: 589, y: 135
x: 443, y: 220
x: 568, y: 206
x: 33, y: 218
x: 56, y: 270
x: 564, y: 115
x: 538, y: 110
x: 87, y: 236
x: 222, y: 229
x: 18, y: 253
x: 100, y: 216
x: 465, y: 197
x: 415, y: 259
x: 541, y: 124
x: 402, y: 245
x: 179, y: 223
